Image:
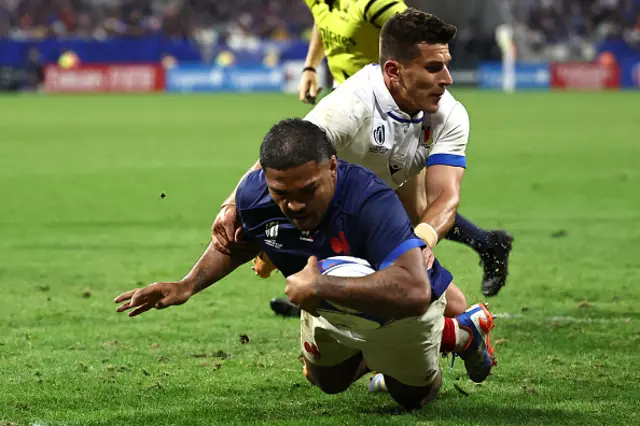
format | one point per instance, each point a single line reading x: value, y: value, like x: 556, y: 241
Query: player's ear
x: 392, y: 69
x: 333, y: 163
x: 333, y: 166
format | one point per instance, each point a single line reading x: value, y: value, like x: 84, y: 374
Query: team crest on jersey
x: 428, y: 137
x: 379, y: 135
x: 340, y: 245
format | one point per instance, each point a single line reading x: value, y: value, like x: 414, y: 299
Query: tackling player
x: 295, y: 208
x: 347, y: 33
x: 365, y: 120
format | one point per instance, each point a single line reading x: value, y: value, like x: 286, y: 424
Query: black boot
x: 282, y: 306
x: 495, y: 261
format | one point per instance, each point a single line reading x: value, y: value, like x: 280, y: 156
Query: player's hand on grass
x: 308, y: 89
x: 301, y: 287
x: 157, y: 295
x: 429, y: 257
x: 226, y: 230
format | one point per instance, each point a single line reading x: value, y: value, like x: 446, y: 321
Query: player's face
x: 304, y: 193
x: 422, y: 81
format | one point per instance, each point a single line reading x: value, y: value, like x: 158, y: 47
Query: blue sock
x: 468, y: 234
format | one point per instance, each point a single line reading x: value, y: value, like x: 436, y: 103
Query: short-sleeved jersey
x: 367, y: 127
x: 350, y: 30
x: 365, y: 219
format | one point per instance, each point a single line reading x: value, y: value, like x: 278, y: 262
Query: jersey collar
x: 385, y: 100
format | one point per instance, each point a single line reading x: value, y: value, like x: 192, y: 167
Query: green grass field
x: 81, y: 220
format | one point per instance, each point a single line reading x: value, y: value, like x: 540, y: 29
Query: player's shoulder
x: 356, y: 91
x: 447, y: 104
x: 361, y: 83
x: 252, y: 191
x: 350, y: 104
x: 451, y: 112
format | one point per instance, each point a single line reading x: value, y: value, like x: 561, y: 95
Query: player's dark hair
x: 294, y: 142
x: 401, y: 34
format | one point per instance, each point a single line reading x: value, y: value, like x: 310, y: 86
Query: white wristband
x: 427, y: 234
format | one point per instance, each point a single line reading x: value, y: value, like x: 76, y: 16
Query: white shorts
x: 407, y: 350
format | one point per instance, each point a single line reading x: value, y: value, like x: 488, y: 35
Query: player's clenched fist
x: 226, y: 229
x: 301, y: 287
x: 308, y: 89
x: 157, y: 295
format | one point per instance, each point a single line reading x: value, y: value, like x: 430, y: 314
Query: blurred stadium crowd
x: 554, y: 28
x: 548, y: 20
x: 270, y: 32
x: 100, y: 19
x: 564, y: 29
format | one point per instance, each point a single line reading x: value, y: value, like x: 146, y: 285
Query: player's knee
x: 415, y: 397
x: 333, y: 385
x: 329, y: 380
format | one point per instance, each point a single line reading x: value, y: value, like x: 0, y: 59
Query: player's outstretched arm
x: 401, y: 290
x: 210, y: 268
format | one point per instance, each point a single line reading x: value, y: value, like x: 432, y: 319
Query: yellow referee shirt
x: 350, y: 31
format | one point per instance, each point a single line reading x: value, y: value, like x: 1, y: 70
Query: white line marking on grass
x: 562, y: 318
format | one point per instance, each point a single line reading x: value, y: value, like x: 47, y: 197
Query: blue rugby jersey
x: 365, y: 219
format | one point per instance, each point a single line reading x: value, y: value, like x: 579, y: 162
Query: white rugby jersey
x: 368, y: 128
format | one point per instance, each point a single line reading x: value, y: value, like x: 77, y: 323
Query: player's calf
x: 456, y: 301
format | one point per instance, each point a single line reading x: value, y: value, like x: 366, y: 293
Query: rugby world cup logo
x: 271, y: 230
x: 378, y: 135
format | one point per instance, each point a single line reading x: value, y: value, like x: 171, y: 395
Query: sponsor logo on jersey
x: 335, y: 43
x: 393, y: 169
x: 306, y: 236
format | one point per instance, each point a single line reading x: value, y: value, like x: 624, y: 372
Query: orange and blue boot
x: 478, y: 354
